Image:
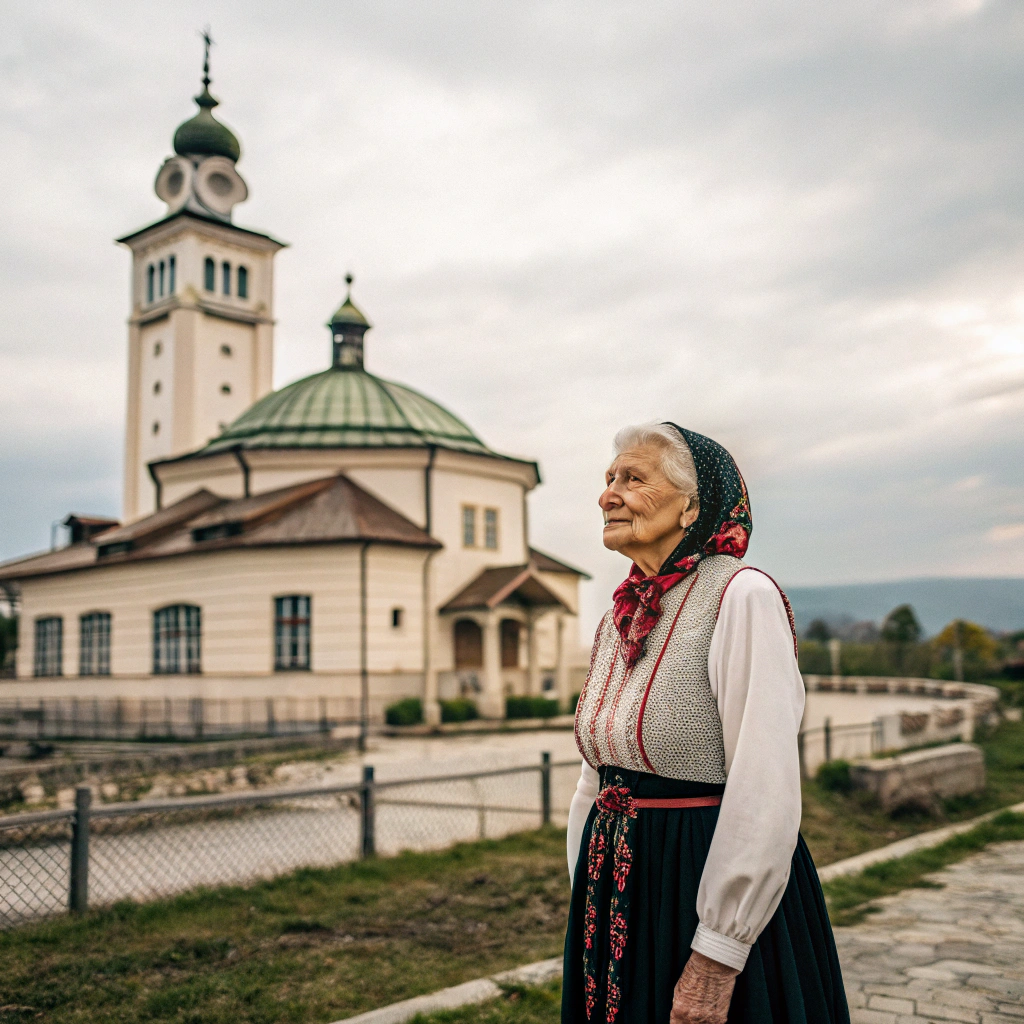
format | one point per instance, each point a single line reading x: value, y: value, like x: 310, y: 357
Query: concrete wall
x: 922, y: 777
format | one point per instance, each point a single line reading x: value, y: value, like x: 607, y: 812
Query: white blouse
x: 760, y: 697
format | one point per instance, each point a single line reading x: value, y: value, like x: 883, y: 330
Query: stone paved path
x: 941, y: 955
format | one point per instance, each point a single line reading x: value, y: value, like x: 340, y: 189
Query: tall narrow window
x: 163, y: 273
x: 172, y: 267
x: 291, y: 632
x: 150, y: 282
x: 243, y: 283
x: 177, y: 640
x: 509, y: 643
x: 49, y: 652
x: 468, y: 526
x: 491, y: 528
x: 225, y: 273
x: 210, y: 275
x: 94, y: 644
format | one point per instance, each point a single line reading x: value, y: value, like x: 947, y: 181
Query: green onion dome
x: 204, y: 135
x: 346, y: 407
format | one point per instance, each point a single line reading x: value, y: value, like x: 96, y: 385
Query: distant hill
x: 996, y: 603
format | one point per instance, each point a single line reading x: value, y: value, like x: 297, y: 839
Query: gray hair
x: 676, y: 457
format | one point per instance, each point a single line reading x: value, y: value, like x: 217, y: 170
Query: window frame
x: 210, y: 274
x: 293, y: 633
x: 163, y: 276
x: 48, y: 651
x: 94, y: 637
x: 242, y: 287
x: 467, y: 526
x: 225, y: 278
x: 172, y: 274
x: 178, y: 640
x: 150, y: 283
x: 492, y: 529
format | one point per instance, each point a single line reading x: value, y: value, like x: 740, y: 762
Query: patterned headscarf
x: 722, y: 527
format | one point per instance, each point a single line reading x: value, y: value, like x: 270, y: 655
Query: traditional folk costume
x: 684, y: 830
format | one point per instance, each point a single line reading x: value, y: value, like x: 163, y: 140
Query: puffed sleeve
x: 582, y: 800
x: 760, y: 696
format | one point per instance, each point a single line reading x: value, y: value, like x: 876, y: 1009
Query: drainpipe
x: 364, y: 672
x: 428, y: 498
x: 431, y: 704
x: 240, y: 458
x: 159, y: 486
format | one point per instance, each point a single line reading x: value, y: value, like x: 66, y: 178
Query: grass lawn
x: 320, y: 945
x: 312, y: 947
x: 517, y: 1006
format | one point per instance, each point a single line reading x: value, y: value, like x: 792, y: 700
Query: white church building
x: 343, y: 534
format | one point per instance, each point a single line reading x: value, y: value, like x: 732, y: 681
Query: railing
x: 127, y: 718
x: 95, y: 854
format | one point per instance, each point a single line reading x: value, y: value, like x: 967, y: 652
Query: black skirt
x: 792, y: 975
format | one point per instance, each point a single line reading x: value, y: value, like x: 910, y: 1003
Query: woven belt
x: 672, y: 803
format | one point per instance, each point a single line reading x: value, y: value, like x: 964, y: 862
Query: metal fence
x: 128, y: 718
x: 95, y: 855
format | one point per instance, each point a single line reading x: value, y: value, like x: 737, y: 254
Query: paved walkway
x: 941, y: 955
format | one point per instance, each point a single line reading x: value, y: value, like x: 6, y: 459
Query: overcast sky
x: 796, y: 227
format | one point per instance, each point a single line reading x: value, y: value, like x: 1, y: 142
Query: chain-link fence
x: 94, y: 856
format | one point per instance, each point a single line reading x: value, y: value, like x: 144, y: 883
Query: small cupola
x: 348, y: 326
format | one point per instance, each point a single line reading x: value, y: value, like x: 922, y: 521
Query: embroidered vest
x: 662, y: 717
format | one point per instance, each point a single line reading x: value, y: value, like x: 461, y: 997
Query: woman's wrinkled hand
x: 703, y: 992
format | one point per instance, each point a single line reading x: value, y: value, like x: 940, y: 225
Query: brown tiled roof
x: 547, y: 563
x: 518, y: 584
x: 330, y: 510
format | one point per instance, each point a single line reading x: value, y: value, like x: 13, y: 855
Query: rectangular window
x: 291, y: 632
x: 94, y: 644
x: 150, y: 278
x: 177, y: 640
x: 243, y: 283
x: 225, y: 269
x: 172, y: 266
x: 491, y: 528
x: 163, y: 272
x: 396, y: 618
x: 469, y: 526
x: 49, y: 653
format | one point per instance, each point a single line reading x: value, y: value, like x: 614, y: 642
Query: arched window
x: 469, y: 644
x: 225, y: 273
x: 94, y: 644
x: 509, y: 643
x: 163, y: 272
x: 172, y: 266
x: 243, y: 283
x: 291, y: 632
x: 210, y: 274
x: 150, y: 282
x: 177, y: 640
x: 49, y: 648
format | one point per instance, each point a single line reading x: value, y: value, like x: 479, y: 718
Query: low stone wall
x: 984, y: 698
x: 922, y: 777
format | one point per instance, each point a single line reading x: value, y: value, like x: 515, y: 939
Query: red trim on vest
x: 671, y: 803
x: 782, y: 594
x: 654, y: 672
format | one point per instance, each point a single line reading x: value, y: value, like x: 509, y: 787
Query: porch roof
x: 515, y: 584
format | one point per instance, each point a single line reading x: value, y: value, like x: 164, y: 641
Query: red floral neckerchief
x: 724, y: 523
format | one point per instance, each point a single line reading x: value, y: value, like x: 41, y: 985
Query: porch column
x: 492, y: 700
x: 532, y: 657
x: 431, y: 704
x: 561, y: 665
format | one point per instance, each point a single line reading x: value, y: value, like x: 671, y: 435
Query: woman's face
x: 642, y: 509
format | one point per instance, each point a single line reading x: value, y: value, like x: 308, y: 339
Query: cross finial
x: 207, y: 43
x: 348, y: 281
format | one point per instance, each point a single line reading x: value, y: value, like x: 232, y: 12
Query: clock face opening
x: 220, y: 184
x: 175, y: 181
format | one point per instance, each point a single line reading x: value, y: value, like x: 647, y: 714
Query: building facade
x: 344, y: 535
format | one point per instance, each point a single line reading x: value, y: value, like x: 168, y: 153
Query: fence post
x: 828, y: 739
x: 545, y: 788
x: 78, y: 891
x: 367, y: 819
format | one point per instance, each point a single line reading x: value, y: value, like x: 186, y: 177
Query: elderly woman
x: 694, y: 898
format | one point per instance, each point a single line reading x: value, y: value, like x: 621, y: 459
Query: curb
x: 479, y: 991
x: 922, y: 841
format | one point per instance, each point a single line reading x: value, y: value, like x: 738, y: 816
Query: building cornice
x: 165, y: 307
x: 185, y: 220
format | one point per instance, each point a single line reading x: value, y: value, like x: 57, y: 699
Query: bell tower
x: 201, y: 329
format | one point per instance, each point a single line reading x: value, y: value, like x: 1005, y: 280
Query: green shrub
x: 461, y: 709
x: 573, y: 701
x: 404, y: 712
x: 530, y: 707
x: 835, y: 776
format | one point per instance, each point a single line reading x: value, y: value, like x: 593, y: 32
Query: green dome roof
x: 204, y: 135
x: 347, y: 408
